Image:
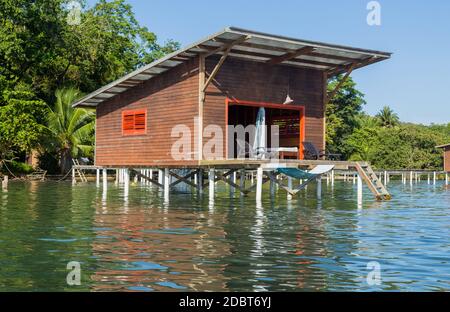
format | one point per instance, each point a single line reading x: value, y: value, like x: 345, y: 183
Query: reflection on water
x: 138, y: 242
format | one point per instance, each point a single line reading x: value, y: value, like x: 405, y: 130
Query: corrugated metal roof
x: 248, y: 45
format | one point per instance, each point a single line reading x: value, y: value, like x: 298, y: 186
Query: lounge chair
x: 246, y: 150
x: 311, y: 152
x: 296, y: 173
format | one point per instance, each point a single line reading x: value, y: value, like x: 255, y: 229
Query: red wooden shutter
x: 134, y: 122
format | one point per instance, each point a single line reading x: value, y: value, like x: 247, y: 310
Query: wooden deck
x: 239, y: 164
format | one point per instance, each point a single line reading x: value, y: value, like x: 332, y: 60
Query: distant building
x: 446, y: 148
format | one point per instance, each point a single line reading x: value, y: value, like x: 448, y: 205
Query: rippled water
x: 190, y: 244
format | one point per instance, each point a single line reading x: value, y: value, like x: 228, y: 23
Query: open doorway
x: 288, y: 118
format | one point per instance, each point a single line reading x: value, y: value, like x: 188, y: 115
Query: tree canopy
x: 42, y: 51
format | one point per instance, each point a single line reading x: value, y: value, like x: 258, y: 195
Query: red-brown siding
x: 259, y: 82
x: 170, y: 99
x: 447, y: 159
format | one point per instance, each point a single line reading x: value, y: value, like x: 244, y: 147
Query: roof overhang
x: 251, y: 46
x: 443, y: 146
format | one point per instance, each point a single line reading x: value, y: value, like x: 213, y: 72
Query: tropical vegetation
x: 49, y: 57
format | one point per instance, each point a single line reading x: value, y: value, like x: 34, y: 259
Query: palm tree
x: 71, y: 128
x: 388, y: 118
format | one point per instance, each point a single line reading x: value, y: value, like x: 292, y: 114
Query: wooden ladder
x: 80, y: 173
x: 368, y: 175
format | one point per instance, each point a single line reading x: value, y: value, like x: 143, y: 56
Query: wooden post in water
x: 242, y: 180
x: 73, y: 176
x: 319, y: 186
x: 289, y: 196
x: 105, y: 179
x: 211, y: 181
x: 5, y: 183
x: 200, y: 181
x: 446, y: 178
x: 126, y: 180
x: 98, y: 177
x: 332, y: 177
x: 360, y: 191
x: 428, y: 178
x: 434, y: 177
x: 259, y: 184
x: 166, y: 184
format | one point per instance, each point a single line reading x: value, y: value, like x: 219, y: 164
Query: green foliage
x: 17, y: 167
x: 71, y: 129
x: 38, y: 47
x: 341, y: 114
x: 387, y: 117
x: 21, y: 119
x: 402, y: 147
x: 41, y: 52
x: 382, y: 140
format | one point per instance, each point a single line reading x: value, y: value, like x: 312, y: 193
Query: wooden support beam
x: 201, y: 100
x: 216, y: 69
x: 290, y: 55
x: 339, y: 85
x: 216, y: 179
x: 184, y: 179
x: 147, y: 178
x: 228, y: 45
x: 230, y: 182
x: 226, y: 48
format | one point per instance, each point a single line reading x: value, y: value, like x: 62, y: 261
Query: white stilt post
x: 428, y: 179
x: 434, y: 178
x: 385, y: 178
x: 319, y: 186
x: 200, y: 181
x: 332, y: 177
x: 211, y: 183
x: 289, y: 196
x: 259, y: 183
x: 105, y: 179
x: 160, y: 176
x: 5, y: 183
x: 446, y: 178
x: 411, y: 178
x: 73, y: 176
x: 166, y: 184
x: 126, y: 181
x: 242, y: 180
x: 360, y: 191
x: 98, y: 177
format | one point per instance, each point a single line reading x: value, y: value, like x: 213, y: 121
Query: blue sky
x: 415, y: 82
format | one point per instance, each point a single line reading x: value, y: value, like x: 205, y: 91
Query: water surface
x: 140, y: 243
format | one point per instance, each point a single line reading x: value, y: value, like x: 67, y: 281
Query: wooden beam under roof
x: 290, y: 55
x: 319, y: 63
x: 258, y: 46
x: 331, y: 95
x: 359, y: 64
x: 230, y: 43
x: 334, y: 57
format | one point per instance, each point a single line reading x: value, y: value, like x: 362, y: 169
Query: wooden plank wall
x: 170, y: 99
x: 251, y: 81
x: 447, y: 159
